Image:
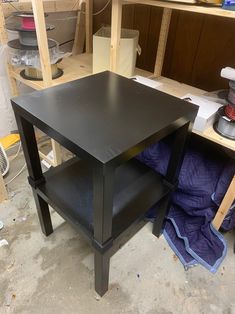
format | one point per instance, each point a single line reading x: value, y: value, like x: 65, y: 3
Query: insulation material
x: 7, y: 119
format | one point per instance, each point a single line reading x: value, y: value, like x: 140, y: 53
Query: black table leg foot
x: 101, y: 273
x: 162, y: 211
x: 43, y: 214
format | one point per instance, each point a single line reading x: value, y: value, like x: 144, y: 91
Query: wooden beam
x: 56, y: 148
x: 79, y: 38
x: 225, y: 205
x: 40, y: 23
x: 49, y: 6
x: 4, y: 40
x: 218, y: 11
x: 166, y: 19
x: 3, y: 191
x: 3, y: 32
x: 115, y: 33
x: 89, y: 25
x: 45, y: 60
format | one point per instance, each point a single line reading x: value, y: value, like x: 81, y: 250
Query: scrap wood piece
x: 225, y: 205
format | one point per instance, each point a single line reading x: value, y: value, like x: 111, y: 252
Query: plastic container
x: 127, y: 53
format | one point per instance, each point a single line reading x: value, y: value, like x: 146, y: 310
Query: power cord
x: 12, y: 179
x: 17, y: 153
x: 101, y: 10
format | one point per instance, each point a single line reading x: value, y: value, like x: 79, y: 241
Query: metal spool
x: 34, y: 74
x: 26, y: 47
x: 16, y: 44
x: 224, y: 125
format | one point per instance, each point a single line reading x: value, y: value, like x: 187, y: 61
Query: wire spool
x: 224, y: 125
x: 28, y: 23
x: 25, y: 49
x: 26, y: 28
x: 27, y: 19
x: 229, y: 111
x: 16, y: 44
x: 34, y: 74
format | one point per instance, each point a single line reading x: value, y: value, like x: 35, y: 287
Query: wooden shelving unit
x: 203, y: 9
x: 74, y: 67
x: 170, y: 86
x: 178, y: 89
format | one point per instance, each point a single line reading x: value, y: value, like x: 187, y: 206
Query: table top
x: 105, y: 115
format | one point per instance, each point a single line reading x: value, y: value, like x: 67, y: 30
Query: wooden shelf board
x: 211, y: 135
x: 74, y: 68
x: 49, y: 6
x: 178, y: 89
x: 211, y: 10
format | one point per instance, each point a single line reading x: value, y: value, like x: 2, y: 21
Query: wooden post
x: 166, y: 19
x: 56, y: 148
x: 89, y: 25
x: 3, y: 33
x: 4, y: 40
x: 40, y: 23
x: 3, y: 191
x: 115, y: 33
x: 225, y: 205
x: 79, y: 38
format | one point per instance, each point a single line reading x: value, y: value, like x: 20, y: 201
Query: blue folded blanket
x: 203, y: 181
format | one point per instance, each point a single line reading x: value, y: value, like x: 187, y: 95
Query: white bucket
x: 127, y: 52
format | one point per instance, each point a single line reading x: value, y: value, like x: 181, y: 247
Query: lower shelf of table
x: 69, y: 190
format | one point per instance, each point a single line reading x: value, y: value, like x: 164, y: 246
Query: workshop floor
x: 55, y: 274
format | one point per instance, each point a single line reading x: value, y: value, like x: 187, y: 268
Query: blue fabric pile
x: 203, y: 181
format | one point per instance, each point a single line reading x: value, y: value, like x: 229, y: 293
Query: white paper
x: 228, y: 73
x: 145, y: 81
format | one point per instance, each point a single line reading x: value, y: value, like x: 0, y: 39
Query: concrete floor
x: 55, y: 274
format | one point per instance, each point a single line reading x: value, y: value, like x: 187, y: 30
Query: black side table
x: 105, y: 120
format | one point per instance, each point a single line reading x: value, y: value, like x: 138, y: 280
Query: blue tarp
x: 203, y: 181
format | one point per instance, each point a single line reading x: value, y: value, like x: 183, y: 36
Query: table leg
x: 30, y: 148
x: 43, y: 214
x: 102, y: 262
x: 177, y: 154
x: 36, y: 177
x: 103, y: 215
x: 162, y: 210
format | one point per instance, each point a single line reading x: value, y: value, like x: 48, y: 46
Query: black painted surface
x: 70, y: 188
x: 105, y: 120
x: 106, y: 114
